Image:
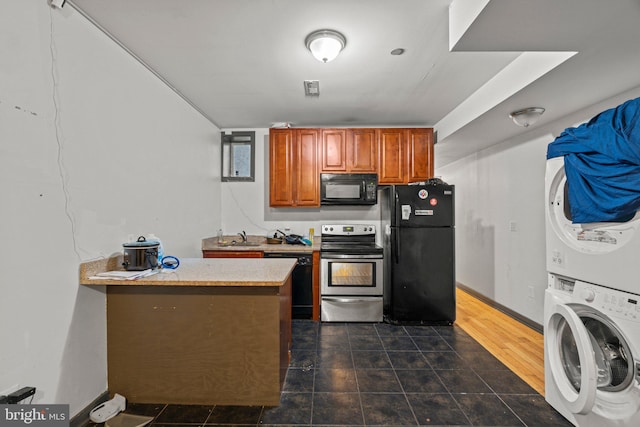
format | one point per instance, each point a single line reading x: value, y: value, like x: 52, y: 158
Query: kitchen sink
x: 238, y: 244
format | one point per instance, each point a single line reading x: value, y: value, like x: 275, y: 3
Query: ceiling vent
x: 312, y: 88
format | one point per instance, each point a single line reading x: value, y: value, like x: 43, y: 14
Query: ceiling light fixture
x: 527, y: 116
x: 325, y: 45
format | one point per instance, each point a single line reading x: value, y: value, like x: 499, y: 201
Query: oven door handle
x: 347, y: 300
x: 350, y: 256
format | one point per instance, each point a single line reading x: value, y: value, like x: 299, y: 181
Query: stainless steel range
x: 350, y: 274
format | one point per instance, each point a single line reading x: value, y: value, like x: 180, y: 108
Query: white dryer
x: 591, y: 350
x: 605, y: 253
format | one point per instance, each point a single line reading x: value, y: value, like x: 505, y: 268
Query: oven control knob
x: 588, y: 295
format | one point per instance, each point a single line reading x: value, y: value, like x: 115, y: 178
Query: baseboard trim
x: 491, y: 303
x: 81, y: 419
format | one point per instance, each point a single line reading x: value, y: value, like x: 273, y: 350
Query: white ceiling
x: 242, y: 63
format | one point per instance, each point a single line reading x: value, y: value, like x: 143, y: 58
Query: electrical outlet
x: 532, y: 294
x: 513, y: 226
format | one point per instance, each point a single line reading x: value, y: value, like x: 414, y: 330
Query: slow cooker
x: 141, y: 254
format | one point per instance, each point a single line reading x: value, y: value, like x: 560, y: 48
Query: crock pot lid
x: 142, y: 244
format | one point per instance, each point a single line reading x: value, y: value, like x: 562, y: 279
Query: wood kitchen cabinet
x: 362, y: 151
x: 392, y: 156
x: 293, y: 174
x: 232, y: 254
x: 334, y: 150
x: 405, y: 155
x: 349, y: 150
x: 298, y: 156
x: 420, y: 154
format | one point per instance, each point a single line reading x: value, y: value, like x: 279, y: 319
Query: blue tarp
x: 602, y: 164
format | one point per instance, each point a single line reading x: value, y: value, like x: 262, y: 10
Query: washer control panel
x: 610, y: 301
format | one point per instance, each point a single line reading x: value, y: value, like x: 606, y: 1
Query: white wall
x: 93, y: 148
x: 245, y: 205
x: 500, y: 208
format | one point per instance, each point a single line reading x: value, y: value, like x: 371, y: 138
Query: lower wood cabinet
x: 232, y: 254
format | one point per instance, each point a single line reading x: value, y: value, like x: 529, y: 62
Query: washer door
x: 614, y: 361
x: 571, y: 359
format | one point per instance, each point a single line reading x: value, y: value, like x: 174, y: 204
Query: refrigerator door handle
x: 394, y: 209
x: 395, y: 245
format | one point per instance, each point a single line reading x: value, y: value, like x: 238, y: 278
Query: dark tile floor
x: 352, y: 374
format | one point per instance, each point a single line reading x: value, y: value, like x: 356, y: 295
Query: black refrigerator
x: 419, y: 253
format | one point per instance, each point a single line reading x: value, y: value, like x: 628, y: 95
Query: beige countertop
x: 211, y: 244
x: 220, y: 272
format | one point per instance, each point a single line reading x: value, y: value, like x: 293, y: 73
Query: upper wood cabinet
x: 307, y: 176
x: 392, y: 156
x: 293, y: 174
x: 334, y: 150
x: 349, y: 150
x: 420, y: 155
x: 362, y: 150
x: 281, y: 148
x: 405, y: 155
x: 298, y: 156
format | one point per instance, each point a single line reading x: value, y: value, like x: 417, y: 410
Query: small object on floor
x: 108, y: 409
x: 128, y: 420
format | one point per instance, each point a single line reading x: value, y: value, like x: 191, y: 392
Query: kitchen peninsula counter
x: 211, y: 332
x: 198, y: 272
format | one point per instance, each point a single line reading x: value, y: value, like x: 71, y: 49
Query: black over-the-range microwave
x: 348, y: 188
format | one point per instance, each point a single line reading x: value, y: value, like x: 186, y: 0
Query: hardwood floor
x: 513, y: 343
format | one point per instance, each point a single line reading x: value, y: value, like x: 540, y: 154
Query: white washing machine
x: 591, y: 351
x: 605, y: 253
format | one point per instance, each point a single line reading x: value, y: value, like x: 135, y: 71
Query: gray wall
x: 500, y: 214
x: 93, y: 149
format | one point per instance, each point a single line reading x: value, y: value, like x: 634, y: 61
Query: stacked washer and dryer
x: 591, y: 313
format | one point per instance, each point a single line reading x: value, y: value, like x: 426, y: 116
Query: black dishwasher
x: 301, y: 283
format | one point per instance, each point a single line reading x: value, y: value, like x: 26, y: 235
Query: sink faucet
x: 244, y: 236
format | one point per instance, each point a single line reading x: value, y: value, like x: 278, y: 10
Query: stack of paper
x: 124, y: 275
